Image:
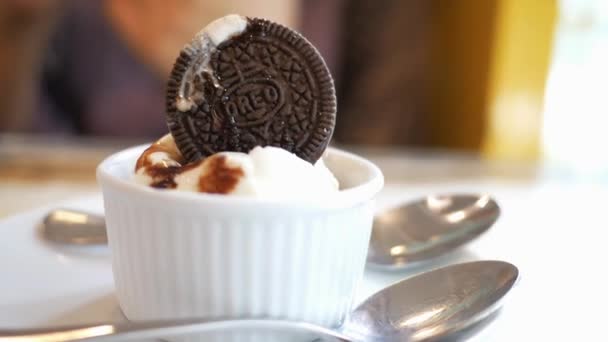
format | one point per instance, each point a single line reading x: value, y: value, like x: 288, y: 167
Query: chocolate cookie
x: 236, y: 87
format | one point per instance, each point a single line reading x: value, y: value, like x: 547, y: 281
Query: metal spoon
x: 427, y: 228
x: 433, y: 305
x: 402, y: 237
x: 75, y: 227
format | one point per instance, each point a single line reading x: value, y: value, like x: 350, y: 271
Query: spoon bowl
x: 67, y: 226
x: 425, y: 229
x: 434, y: 304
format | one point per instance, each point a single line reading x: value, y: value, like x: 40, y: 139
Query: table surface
x: 552, y: 224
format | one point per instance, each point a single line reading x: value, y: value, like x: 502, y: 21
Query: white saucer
x: 44, y: 284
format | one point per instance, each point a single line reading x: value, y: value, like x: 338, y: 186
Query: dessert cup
x: 182, y: 255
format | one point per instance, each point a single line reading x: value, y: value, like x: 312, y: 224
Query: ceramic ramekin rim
x: 349, y: 197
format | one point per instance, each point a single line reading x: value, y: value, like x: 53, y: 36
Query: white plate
x: 540, y: 231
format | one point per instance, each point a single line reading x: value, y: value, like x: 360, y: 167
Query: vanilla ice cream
x: 264, y: 172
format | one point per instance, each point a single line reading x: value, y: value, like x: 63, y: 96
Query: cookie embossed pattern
x: 261, y: 85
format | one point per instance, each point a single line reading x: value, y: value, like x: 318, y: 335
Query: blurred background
x: 509, y: 80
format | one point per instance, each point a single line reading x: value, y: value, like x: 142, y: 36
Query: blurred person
x: 102, y: 70
x: 99, y: 67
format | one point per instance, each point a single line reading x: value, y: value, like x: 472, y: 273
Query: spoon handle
x: 144, y: 330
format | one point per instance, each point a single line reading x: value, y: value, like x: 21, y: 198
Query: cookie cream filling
x: 265, y: 172
x: 200, y: 50
x: 224, y: 28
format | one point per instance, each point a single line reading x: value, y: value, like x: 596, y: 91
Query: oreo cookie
x: 246, y: 82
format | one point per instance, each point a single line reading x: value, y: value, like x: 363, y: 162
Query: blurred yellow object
x: 520, y: 59
x: 462, y: 42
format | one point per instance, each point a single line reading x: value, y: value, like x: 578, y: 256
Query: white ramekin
x: 178, y: 254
